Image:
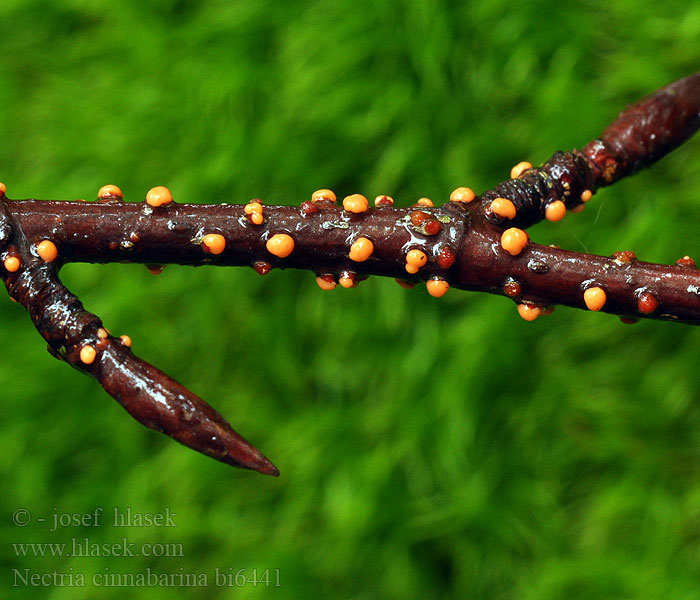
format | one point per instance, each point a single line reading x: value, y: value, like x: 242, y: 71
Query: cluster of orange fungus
x: 384, y: 201
x: 437, y: 287
x: 102, y: 333
x: 281, y: 245
x: 326, y: 282
x: 159, y: 196
x: 594, y: 298
x: 586, y: 195
x: 503, y: 208
x: 47, y: 250
x: 126, y: 340
x: 109, y: 192
x: 529, y: 312
x: 429, y: 224
x: 425, y: 202
x: 577, y: 209
x: 518, y: 169
x: 555, y: 211
x: 462, y: 194
x: 513, y: 240
x: 415, y: 260
x: 12, y: 264
x: 356, y: 203
x: 88, y: 355
x: 361, y: 249
x: 3, y: 189
x: 323, y: 196
x: 254, y: 212
x: 213, y: 243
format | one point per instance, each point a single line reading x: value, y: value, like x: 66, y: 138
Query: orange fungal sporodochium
x: 586, y: 195
x: 503, y: 208
x: 254, y: 211
x: 361, y: 249
x: 462, y: 194
x: 47, y: 250
x: 512, y: 288
x: 154, y: 269
x: 418, y: 217
x: 308, y: 208
x: 88, y: 355
x: 446, y: 257
x: 214, y: 243
x: 518, y: 169
x: 281, y: 245
x: 110, y: 191
x: 126, y: 340
x: 3, y: 189
x: 262, y: 267
x: 323, y: 196
x: 437, y: 287
x: 347, y: 280
x: 425, y: 202
x: 384, y: 201
x: 577, y: 209
x: 159, y: 196
x: 529, y: 312
x: 594, y: 298
x: 432, y: 227
x: 252, y: 207
x: 647, y: 303
x: 513, y: 240
x: 624, y: 257
x: 555, y: 211
x: 326, y: 282
x: 12, y: 264
x: 356, y: 203
x: 102, y: 333
x: 415, y: 260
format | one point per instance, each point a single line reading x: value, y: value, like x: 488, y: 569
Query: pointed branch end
x: 240, y: 453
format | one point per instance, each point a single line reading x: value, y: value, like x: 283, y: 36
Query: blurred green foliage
x: 428, y: 448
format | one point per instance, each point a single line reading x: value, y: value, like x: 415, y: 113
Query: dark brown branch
x: 478, y: 244
x: 149, y: 395
x: 647, y: 131
x: 641, y: 135
x: 103, y: 232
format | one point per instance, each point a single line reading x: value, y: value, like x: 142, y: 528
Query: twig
x: 471, y: 243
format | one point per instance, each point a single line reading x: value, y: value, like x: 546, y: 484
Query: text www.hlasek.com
x: 84, y: 547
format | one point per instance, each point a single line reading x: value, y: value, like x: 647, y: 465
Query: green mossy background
x: 428, y: 448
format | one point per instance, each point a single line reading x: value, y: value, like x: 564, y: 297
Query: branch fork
x: 472, y: 242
